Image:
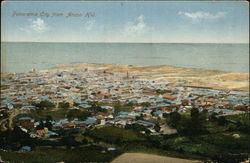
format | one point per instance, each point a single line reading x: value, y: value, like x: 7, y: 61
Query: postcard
x: 124, y: 81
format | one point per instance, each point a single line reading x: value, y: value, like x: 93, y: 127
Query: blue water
x: 22, y: 57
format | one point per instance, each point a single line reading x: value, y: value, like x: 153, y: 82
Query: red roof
x: 102, y: 113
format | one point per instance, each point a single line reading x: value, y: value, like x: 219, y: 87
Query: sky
x: 125, y: 21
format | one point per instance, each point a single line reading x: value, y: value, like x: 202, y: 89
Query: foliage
x: 14, y: 140
x: 157, y: 128
x: 69, y: 141
x: 229, y: 157
x: 122, y: 107
x: 137, y: 127
x: 59, y: 154
x: 48, y: 125
x: 45, y: 105
x: 239, y: 122
x: 145, y: 104
x: 40, y: 126
x: 173, y: 119
x: 75, y: 113
x: 222, y: 120
x: 116, y: 135
x: 64, y: 105
x: 163, y: 91
x: 193, y: 124
x: 47, y: 114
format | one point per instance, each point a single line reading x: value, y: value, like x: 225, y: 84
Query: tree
x: 194, y: 113
x: 213, y: 117
x: 75, y: 113
x: 157, y: 128
x: 145, y: 104
x: 40, y: 126
x: 69, y: 141
x: 48, y: 124
x: 173, y: 119
x: 15, y: 139
x: 222, y: 120
x: 95, y: 106
x: 49, y: 118
x: 137, y: 127
x: 64, y: 105
x: 197, y: 122
x: 45, y: 105
x: 193, y: 124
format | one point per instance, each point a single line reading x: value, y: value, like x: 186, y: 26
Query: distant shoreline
x: 190, y: 77
x: 187, y: 77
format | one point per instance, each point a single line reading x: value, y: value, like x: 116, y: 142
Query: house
x: 57, y: 125
x: 85, y: 106
x: 102, y: 115
x: 50, y: 134
x: 26, y: 122
x: 80, y: 124
x: 25, y: 148
x: 158, y: 113
x: 113, y: 121
x: 69, y: 125
x: 42, y: 132
x: 109, y: 109
x: 161, y: 106
x: 111, y: 149
x: 127, y: 117
x: 33, y: 134
x: 102, y: 122
x: 145, y: 123
x: 27, y: 108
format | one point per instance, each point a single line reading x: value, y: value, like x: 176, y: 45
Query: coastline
x: 187, y: 77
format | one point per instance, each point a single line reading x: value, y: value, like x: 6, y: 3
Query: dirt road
x: 149, y: 158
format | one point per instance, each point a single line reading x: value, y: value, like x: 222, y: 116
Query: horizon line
x: 125, y: 42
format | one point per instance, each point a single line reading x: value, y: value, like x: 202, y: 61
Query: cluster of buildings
x: 150, y: 99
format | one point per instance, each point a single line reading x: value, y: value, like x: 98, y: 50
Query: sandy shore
x: 149, y: 158
x: 185, y: 76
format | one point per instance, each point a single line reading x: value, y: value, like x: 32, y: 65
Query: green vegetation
x: 63, y: 105
x: 209, y: 136
x: 45, y: 105
x: 217, y: 147
x: 239, y: 122
x: 189, y: 124
x: 116, y: 135
x: 163, y: 91
x: 145, y: 104
x: 173, y: 119
x: 57, y: 154
x: 42, y: 125
x: 96, y: 106
x: 75, y: 113
x: 56, y: 114
x: 14, y: 140
x: 44, y: 114
x: 200, y: 136
x: 123, y: 107
x: 137, y: 127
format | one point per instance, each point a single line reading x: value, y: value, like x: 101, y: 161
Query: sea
x: 18, y: 57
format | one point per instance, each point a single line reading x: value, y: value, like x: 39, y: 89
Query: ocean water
x: 22, y: 57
